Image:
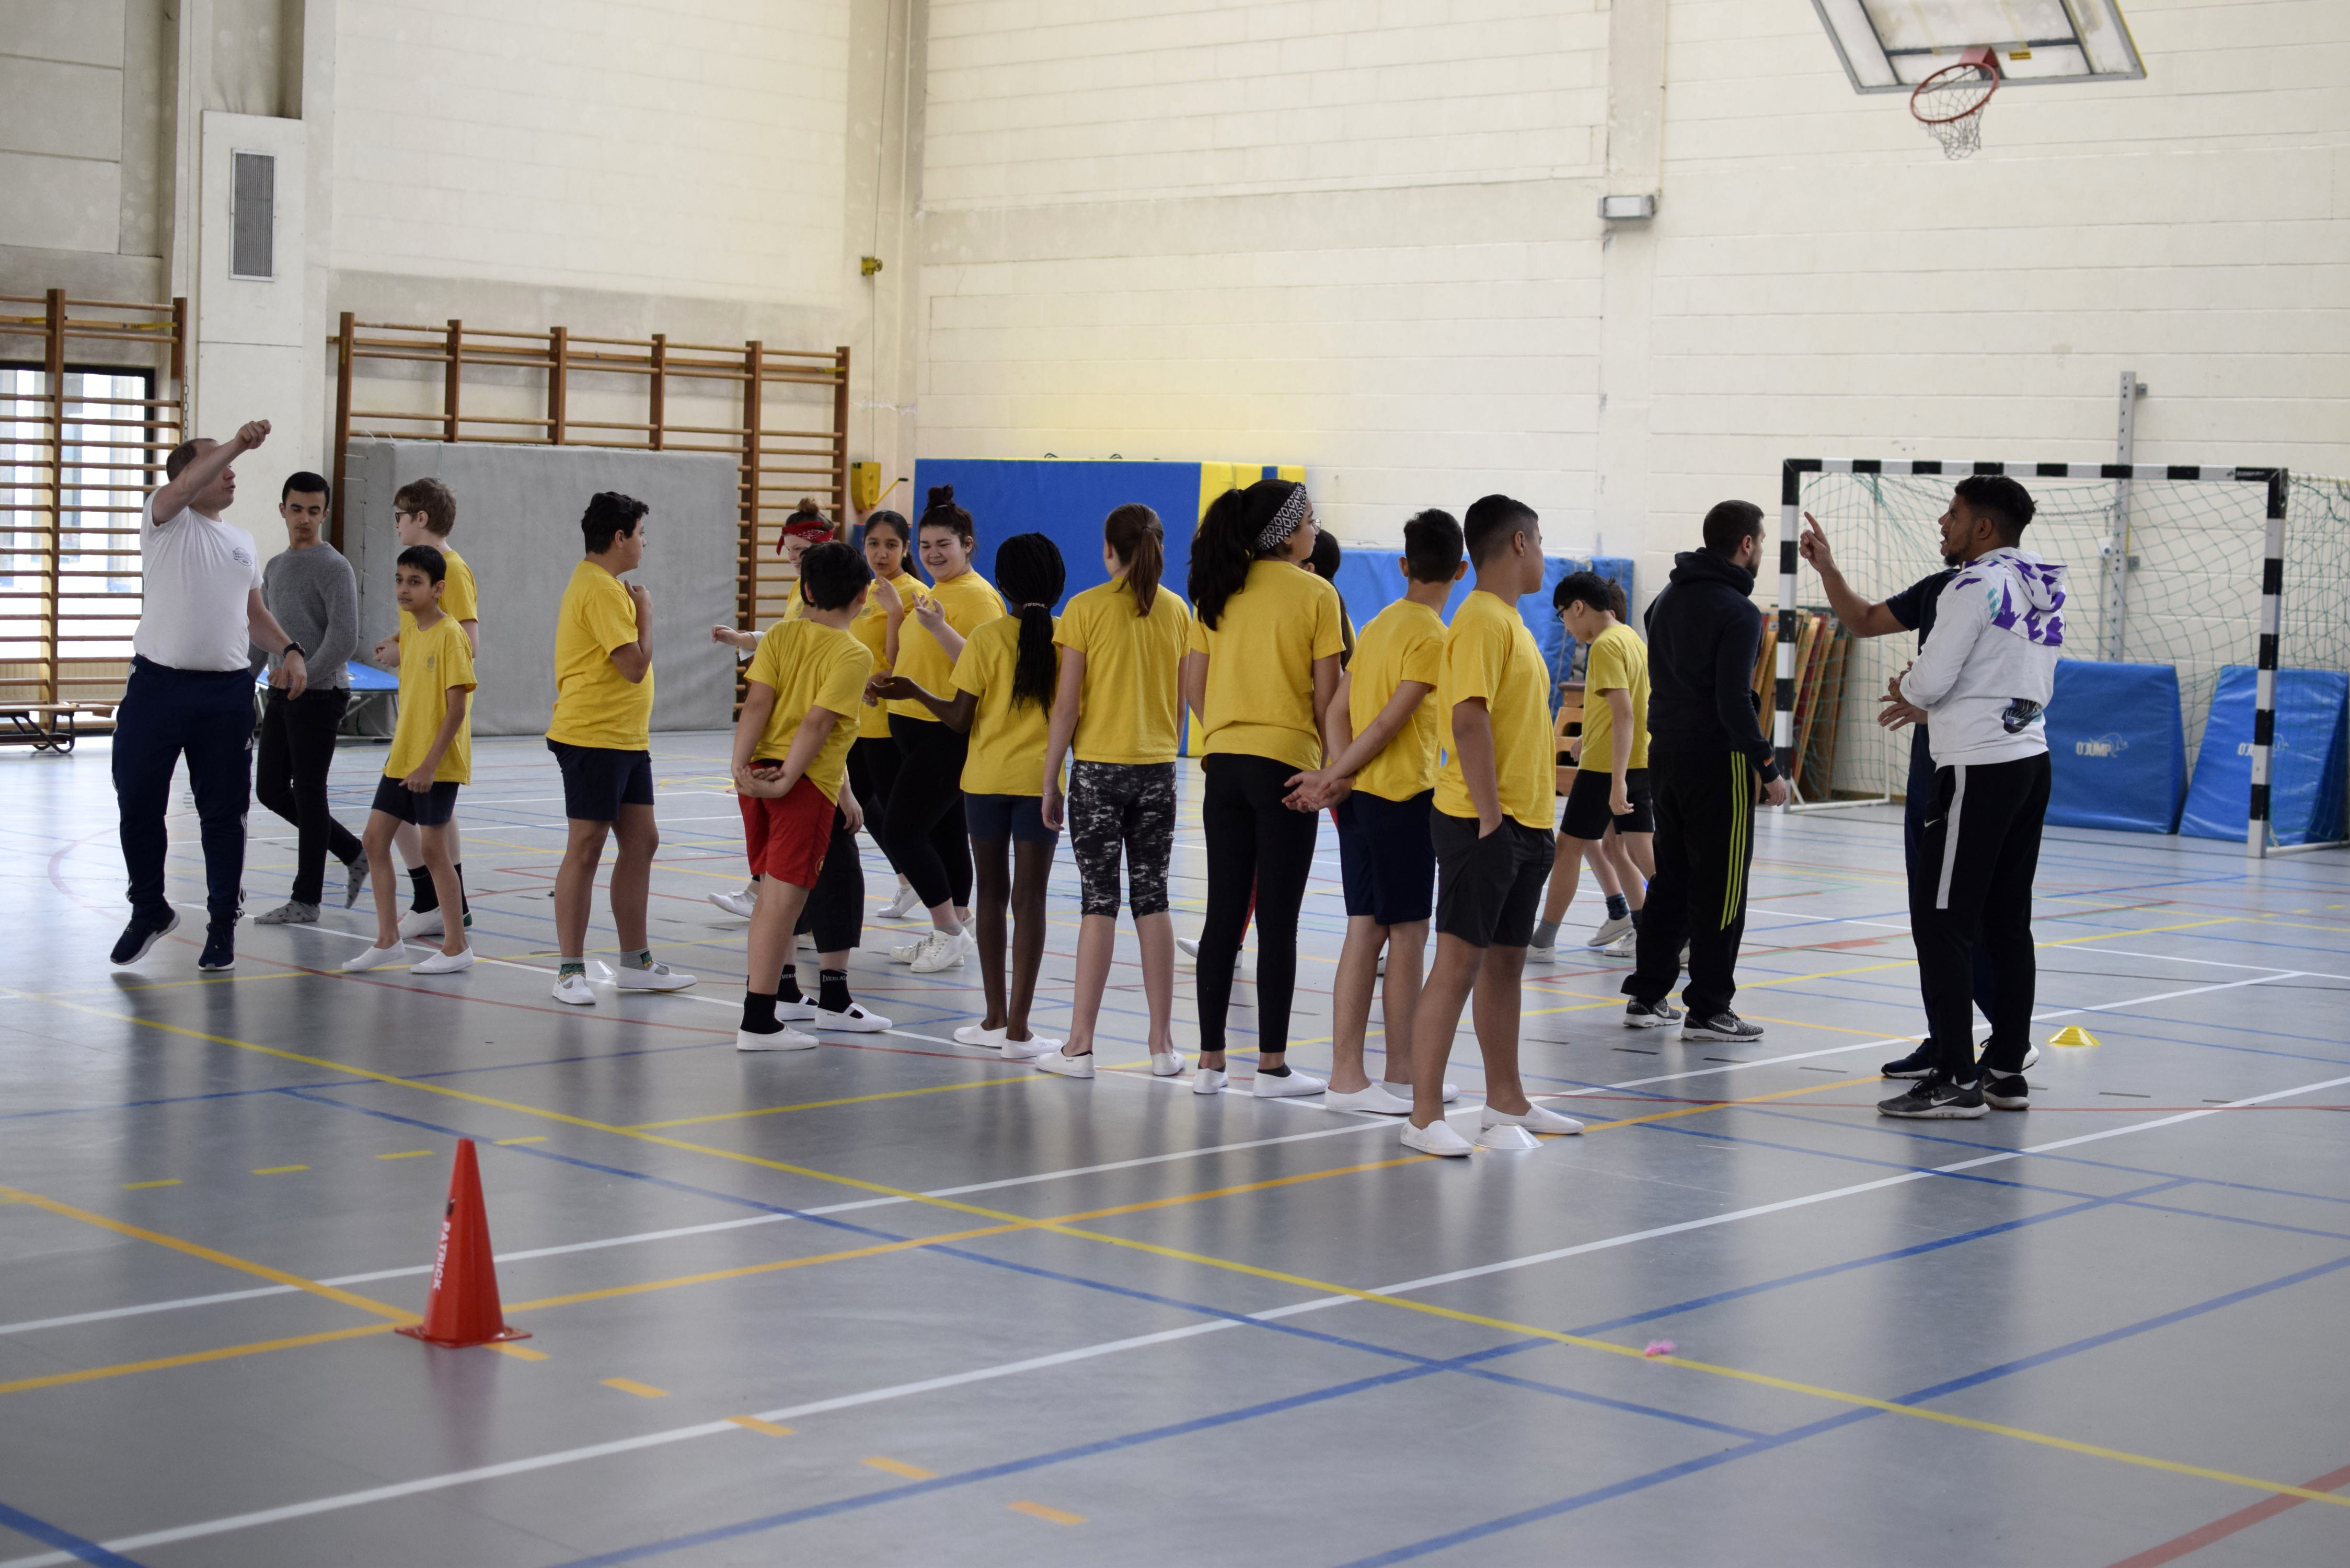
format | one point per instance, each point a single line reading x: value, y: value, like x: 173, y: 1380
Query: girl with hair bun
x: 1265, y: 644
x: 1116, y: 716
x: 1002, y: 690
x: 924, y: 829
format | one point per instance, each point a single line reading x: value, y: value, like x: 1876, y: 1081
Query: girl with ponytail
x: 924, y: 830
x: 1264, y: 649
x: 873, y: 758
x: 1002, y: 693
x: 1115, y: 714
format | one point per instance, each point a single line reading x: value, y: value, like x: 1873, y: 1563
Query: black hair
x: 186, y: 453
x: 1432, y: 546
x: 831, y: 575
x: 1030, y: 571
x: 1134, y: 532
x: 2008, y: 504
x: 942, y: 513
x: 426, y: 560
x: 1323, y: 562
x: 307, y: 482
x: 1224, y: 547
x: 1589, y: 589
x: 1493, y: 522
x: 1730, y: 523
x: 891, y: 522
x: 609, y: 515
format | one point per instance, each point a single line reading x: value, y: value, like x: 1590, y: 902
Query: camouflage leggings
x: 1128, y: 806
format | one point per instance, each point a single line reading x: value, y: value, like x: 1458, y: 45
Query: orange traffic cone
x: 464, y: 1309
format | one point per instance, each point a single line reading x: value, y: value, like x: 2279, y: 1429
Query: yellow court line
x: 193, y: 1358
x: 406, y: 1154
x: 137, y: 1186
x: 1724, y: 1104
x: 756, y: 1425
x: 1049, y: 1515
x: 630, y: 1386
x: 827, y: 1105
x: 901, y: 1468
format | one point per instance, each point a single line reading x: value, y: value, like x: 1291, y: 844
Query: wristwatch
x: 293, y: 646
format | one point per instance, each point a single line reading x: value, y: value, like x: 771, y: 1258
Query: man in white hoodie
x: 1984, y: 681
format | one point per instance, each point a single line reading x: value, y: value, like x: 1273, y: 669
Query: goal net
x: 2161, y: 571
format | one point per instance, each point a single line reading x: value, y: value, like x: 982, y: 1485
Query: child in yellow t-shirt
x: 424, y: 512
x: 1005, y: 678
x: 791, y: 766
x: 1608, y: 818
x: 432, y: 754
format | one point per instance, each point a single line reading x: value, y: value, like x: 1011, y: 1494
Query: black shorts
x: 1586, y: 814
x: 598, y: 781
x: 992, y: 818
x: 1488, y: 889
x: 1385, y: 859
x: 426, y: 808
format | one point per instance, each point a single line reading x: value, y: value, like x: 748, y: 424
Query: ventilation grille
x: 252, y: 245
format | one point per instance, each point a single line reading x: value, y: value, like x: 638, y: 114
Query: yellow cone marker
x: 2072, y: 1034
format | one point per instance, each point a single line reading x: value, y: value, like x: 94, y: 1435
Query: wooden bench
x: 49, y: 726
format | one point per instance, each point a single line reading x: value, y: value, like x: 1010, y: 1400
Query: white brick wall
x: 685, y: 149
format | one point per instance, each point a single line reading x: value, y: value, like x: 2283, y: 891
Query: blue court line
x: 49, y: 1534
x: 1674, y: 1472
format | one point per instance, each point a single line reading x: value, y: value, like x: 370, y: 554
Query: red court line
x: 2171, y: 1551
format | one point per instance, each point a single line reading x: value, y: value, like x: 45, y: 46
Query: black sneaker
x: 140, y: 935
x: 1939, y: 1099
x: 1722, y: 1026
x: 2007, y: 1091
x: 220, y: 949
x: 1919, y: 1063
x: 1651, y: 1014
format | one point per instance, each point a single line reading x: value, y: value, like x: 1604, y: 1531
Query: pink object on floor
x: 1660, y: 1347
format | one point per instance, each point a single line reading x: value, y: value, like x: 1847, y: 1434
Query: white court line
x: 1082, y: 1353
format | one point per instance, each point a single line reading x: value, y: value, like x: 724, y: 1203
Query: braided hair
x: 1031, y: 574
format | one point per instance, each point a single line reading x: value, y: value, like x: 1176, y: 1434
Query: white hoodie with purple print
x: 1987, y: 674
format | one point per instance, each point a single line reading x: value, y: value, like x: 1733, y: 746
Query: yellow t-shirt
x: 871, y: 628
x: 459, y: 599
x: 1007, y: 738
x: 595, y: 704
x: 1261, y: 654
x: 970, y: 601
x: 1404, y: 642
x: 1619, y: 662
x: 434, y: 661
x: 809, y: 664
x: 1131, y: 707
x: 1489, y: 653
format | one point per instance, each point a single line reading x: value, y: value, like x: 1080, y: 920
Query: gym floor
x: 900, y: 1301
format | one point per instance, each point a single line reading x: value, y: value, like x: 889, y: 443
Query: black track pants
x: 293, y: 755
x: 1977, y: 854
x: 1253, y: 840
x: 925, y: 833
x: 834, y: 911
x: 1704, y: 843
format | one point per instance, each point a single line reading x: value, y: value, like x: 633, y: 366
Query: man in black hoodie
x: 1706, y: 749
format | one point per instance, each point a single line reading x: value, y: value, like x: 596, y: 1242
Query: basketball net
x: 1949, y: 104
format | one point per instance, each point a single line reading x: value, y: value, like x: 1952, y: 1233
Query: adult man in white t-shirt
x: 190, y: 691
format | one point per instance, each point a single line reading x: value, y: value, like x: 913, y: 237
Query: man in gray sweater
x: 312, y: 592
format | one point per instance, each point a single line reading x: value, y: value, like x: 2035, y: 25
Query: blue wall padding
x: 1066, y: 501
x: 2306, y: 771
x: 1371, y: 580
x: 2116, y: 747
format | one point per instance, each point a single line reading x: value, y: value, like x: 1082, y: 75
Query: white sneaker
x: 1187, y: 947
x: 443, y: 964
x: 800, y: 1012
x: 1537, y: 953
x: 370, y: 958
x: 985, y: 1039
x: 1534, y: 1118
x: 1208, y: 1081
x: 421, y: 923
x: 855, y: 1020
x: 1436, y: 1137
x: 1375, y: 1099
x: 1611, y: 930
x: 653, y: 977
x: 1066, y: 1066
x: 1166, y: 1064
x: 904, y: 906
x: 1292, y: 1084
x: 939, y: 950
x: 1403, y: 1091
x: 1623, y: 947
x: 739, y: 905
x: 2031, y: 1054
x: 902, y: 953
x: 785, y: 1039
x: 1508, y: 1137
x: 1035, y: 1046
x: 970, y: 943
x: 573, y: 989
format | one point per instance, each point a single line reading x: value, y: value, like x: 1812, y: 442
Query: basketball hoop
x: 1950, y: 102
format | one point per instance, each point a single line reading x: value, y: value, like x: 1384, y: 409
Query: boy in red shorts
x: 806, y: 683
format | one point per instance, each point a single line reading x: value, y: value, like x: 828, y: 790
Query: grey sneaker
x: 289, y: 914
x: 354, y: 876
x: 1610, y: 931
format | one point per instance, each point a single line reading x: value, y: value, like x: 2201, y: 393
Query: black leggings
x: 925, y: 835
x: 873, y: 774
x: 834, y: 910
x: 1253, y: 841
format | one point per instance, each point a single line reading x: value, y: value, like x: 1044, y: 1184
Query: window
x: 252, y: 218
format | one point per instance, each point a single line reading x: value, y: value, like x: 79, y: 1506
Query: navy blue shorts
x: 426, y: 808
x: 598, y: 781
x: 992, y: 818
x: 1385, y: 859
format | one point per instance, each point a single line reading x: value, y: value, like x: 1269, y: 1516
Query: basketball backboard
x: 1891, y: 46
